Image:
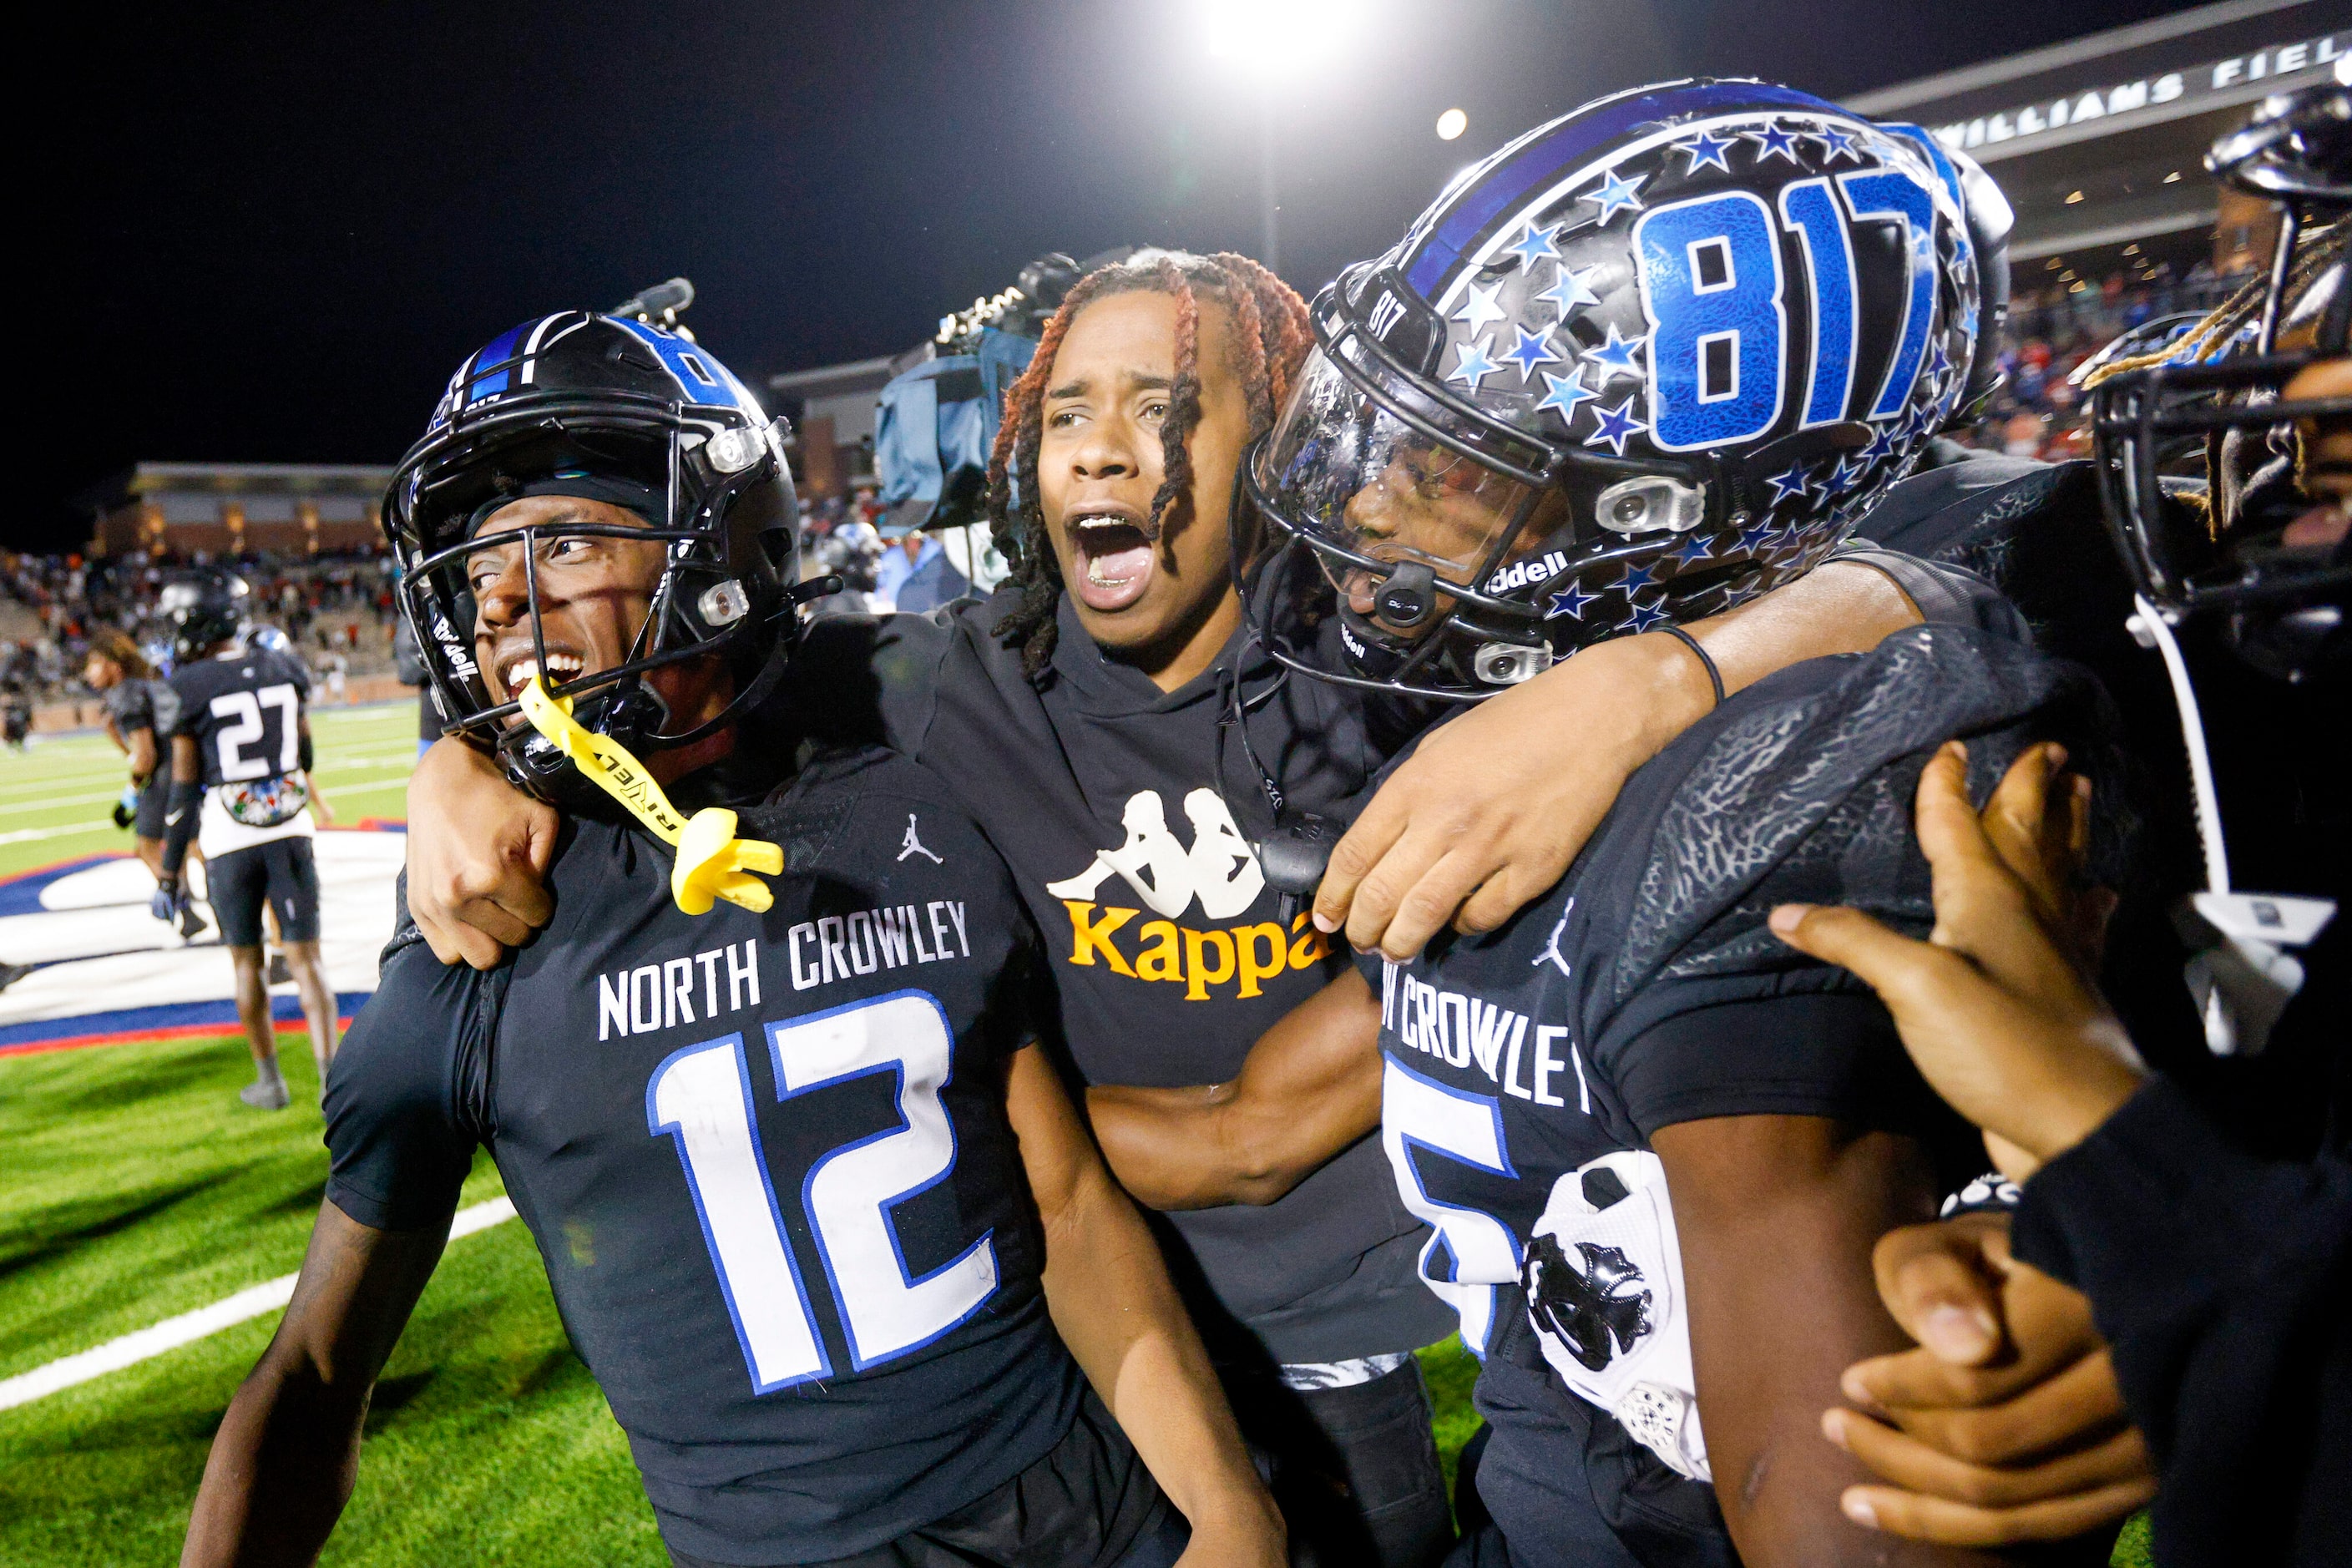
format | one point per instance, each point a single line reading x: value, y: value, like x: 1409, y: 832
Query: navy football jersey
x: 1527, y: 1069
x: 765, y: 1158
x: 241, y: 708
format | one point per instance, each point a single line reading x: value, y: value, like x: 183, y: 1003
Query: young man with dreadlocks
x: 1106, y: 689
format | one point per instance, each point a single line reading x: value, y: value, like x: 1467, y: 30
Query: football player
x: 1641, y: 364
x: 140, y: 712
x: 2224, y: 464
x: 817, y: 1211
x: 240, y: 792
x: 1084, y: 714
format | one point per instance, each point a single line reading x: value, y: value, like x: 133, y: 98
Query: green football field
x: 56, y: 795
x: 136, y: 1188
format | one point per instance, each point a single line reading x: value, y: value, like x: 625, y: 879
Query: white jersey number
x: 1472, y: 1252
x: 245, y: 708
x: 702, y: 1097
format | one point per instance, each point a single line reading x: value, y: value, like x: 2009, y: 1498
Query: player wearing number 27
x: 240, y: 768
x: 814, y: 1208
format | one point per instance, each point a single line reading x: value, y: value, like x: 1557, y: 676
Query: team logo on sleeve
x: 1595, y: 1304
x: 912, y: 844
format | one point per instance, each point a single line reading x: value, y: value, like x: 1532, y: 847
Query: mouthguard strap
x: 712, y: 863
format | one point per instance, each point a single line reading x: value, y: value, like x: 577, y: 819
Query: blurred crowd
x: 336, y: 608
x: 2038, y: 412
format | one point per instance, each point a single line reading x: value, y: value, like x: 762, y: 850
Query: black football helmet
x: 2207, y: 403
x: 203, y: 610
x: 618, y: 409
x: 1643, y: 363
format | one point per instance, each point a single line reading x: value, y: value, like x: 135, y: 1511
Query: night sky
x: 271, y: 236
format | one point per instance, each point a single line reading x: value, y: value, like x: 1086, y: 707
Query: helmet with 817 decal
x: 1641, y: 364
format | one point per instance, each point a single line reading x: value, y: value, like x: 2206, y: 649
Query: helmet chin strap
x: 2241, y: 978
x: 711, y: 863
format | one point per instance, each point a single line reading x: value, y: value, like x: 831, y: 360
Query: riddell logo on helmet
x: 1540, y: 569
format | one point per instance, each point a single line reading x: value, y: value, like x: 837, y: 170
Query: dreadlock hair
x: 2319, y: 251
x: 1271, y: 339
x: 117, y: 646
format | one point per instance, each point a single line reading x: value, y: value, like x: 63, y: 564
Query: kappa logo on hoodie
x: 1217, y: 870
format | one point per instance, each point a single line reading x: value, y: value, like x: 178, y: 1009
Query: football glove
x: 127, y: 808
x: 169, y: 900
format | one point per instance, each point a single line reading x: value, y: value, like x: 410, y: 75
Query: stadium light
x: 1267, y: 39
x: 1452, y: 124
x: 1279, y: 47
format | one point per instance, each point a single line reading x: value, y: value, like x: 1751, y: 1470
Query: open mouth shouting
x: 515, y: 669
x: 1113, y: 554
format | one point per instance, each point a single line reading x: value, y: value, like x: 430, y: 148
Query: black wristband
x: 1714, y: 676
x: 302, y: 751
x: 180, y: 819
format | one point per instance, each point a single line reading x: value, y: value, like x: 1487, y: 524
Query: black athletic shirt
x: 1130, y: 847
x: 1645, y: 990
x: 1169, y: 970
x: 142, y: 702
x: 241, y: 709
x: 765, y: 1158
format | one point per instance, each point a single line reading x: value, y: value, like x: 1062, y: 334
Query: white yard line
x: 189, y: 1327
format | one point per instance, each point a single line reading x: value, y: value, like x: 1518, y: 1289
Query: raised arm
x: 1309, y: 1087
x: 287, y: 1451
x: 1109, y: 1292
x: 1489, y: 810
x: 1776, y: 1216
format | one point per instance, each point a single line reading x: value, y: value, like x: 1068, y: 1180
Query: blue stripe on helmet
x: 1541, y: 161
x: 497, y: 352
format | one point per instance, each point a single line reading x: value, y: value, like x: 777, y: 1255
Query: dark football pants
x: 1354, y: 1469
x: 282, y: 872
x: 1090, y: 1503
x: 154, y: 801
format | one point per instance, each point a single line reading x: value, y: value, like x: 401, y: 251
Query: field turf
x: 56, y: 794
x: 137, y: 1188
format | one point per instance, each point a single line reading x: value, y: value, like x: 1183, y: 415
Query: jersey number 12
x: 702, y: 1097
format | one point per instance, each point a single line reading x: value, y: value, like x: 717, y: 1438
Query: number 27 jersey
x: 765, y: 1159
x: 244, y: 711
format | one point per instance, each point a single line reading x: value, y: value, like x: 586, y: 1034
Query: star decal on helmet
x: 1473, y: 366
x: 1616, y: 195
x: 1643, y: 617
x: 1940, y: 366
x: 1530, y: 350
x: 1836, y: 143
x: 1791, y: 481
x: 1616, y: 355
x: 1535, y: 245
x: 1695, y: 548
x: 1479, y: 308
x: 1772, y: 141
x: 1881, y: 444
x: 1568, y: 392
x: 1756, y: 540
x: 1637, y: 575
x: 1616, y: 425
x: 1839, y: 479
x: 1704, y: 149
x: 1569, y: 291
x: 1569, y: 602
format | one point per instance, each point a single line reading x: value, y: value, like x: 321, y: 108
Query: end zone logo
x: 1519, y: 574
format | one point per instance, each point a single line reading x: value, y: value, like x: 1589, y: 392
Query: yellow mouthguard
x: 712, y: 863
